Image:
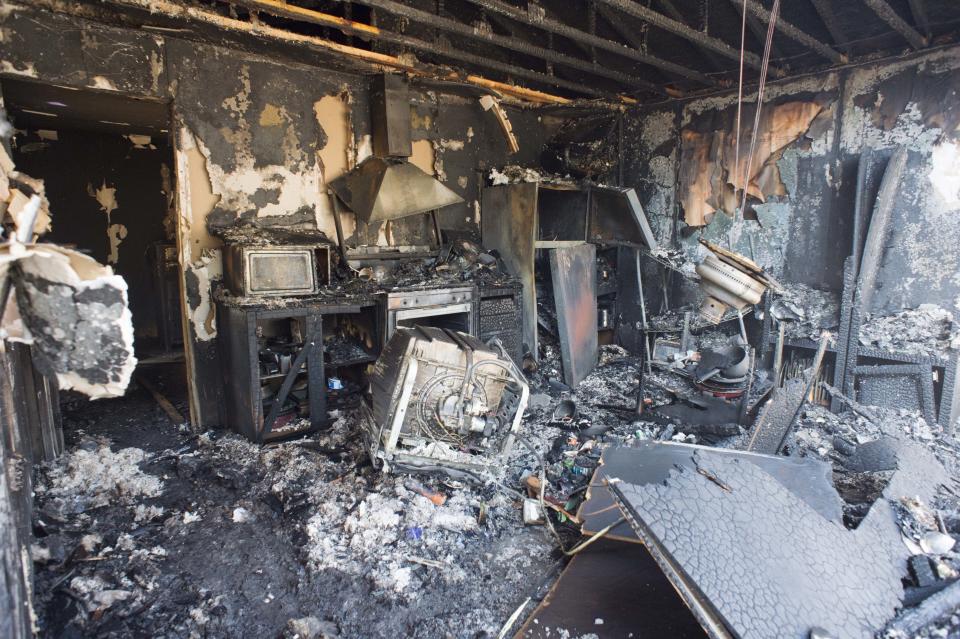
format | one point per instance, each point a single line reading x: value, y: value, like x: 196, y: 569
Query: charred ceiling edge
x: 166, y: 13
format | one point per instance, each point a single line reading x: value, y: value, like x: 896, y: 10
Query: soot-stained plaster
x: 254, y: 122
x: 913, y: 104
x: 251, y: 130
x: 63, y: 50
x: 805, y: 235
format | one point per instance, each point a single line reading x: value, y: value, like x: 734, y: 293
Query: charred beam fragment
x: 886, y: 13
x: 674, y: 13
x: 362, y: 58
x: 512, y: 44
x: 824, y: 9
x: 359, y: 29
x: 758, y: 29
x: 539, y: 19
x: 919, y: 12
x: 675, y: 27
x: 796, y: 34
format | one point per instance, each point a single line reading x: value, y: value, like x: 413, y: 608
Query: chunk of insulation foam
x: 76, y: 315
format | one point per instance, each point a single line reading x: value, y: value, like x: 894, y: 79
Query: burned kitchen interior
x: 480, y: 318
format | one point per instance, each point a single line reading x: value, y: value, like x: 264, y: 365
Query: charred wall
x: 256, y: 140
x: 803, y: 205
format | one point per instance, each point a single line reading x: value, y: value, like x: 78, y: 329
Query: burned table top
x: 752, y: 558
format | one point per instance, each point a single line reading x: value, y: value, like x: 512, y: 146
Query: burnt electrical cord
x: 546, y: 515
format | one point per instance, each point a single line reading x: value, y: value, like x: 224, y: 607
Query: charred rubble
x: 482, y: 319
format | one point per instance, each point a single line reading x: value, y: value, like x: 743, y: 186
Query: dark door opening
x: 108, y: 170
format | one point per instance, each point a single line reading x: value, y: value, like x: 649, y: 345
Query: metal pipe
x: 512, y: 44
x: 886, y: 13
x: 366, y: 31
x: 796, y: 34
x: 677, y: 28
x: 539, y: 19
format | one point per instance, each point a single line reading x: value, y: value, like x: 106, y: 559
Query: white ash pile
x: 94, y: 475
x: 926, y: 330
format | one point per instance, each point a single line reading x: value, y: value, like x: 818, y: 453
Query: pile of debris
x: 927, y: 330
x: 808, y: 311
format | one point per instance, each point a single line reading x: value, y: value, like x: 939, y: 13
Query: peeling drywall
x: 333, y: 115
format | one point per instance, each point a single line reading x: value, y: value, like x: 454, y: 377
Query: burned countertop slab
x: 753, y: 559
x: 651, y: 462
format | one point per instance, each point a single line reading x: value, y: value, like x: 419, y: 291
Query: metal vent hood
x: 382, y: 189
x: 386, y: 186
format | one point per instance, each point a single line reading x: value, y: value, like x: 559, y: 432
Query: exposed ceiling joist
x: 886, y: 13
x: 372, y: 60
x: 918, y: 9
x: 512, y: 44
x: 359, y: 29
x: 795, y: 34
x: 540, y: 20
x: 672, y: 12
x: 758, y: 29
x: 824, y: 9
x: 675, y: 27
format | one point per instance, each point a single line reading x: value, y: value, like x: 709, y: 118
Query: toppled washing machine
x: 442, y: 401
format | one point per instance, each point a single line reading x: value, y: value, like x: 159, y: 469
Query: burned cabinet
x: 273, y: 370
x: 519, y: 219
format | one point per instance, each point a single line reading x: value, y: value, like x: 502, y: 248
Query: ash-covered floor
x: 146, y: 528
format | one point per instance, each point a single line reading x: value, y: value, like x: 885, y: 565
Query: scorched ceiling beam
x: 366, y: 31
x: 539, y: 19
x: 677, y: 28
x: 512, y: 44
x: 825, y: 10
x: 886, y: 13
x: 794, y: 33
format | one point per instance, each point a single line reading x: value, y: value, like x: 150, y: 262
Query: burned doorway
x: 107, y: 165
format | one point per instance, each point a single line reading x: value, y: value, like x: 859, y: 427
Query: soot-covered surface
x: 144, y: 527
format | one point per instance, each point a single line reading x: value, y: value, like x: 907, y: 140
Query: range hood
x: 386, y: 186
x: 381, y: 189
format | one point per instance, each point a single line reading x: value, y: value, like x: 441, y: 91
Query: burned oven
x: 276, y: 270
x: 442, y: 401
x: 449, y: 308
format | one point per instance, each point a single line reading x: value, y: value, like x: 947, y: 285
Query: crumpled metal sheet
x: 751, y: 559
x: 75, y: 312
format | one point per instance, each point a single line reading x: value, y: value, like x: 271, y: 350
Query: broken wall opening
x: 107, y: 165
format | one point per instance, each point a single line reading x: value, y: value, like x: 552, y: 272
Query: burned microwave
x: 276, y: 270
